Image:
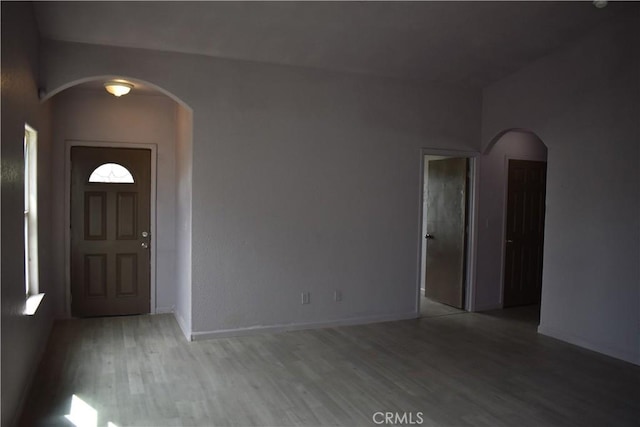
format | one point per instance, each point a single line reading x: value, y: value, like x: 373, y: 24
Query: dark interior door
x: 525, y: 232
x: 446, y: 231
x: 110, y: 220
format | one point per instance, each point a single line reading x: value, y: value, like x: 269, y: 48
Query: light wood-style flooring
x: 457, y: 370
x: 430, y: 308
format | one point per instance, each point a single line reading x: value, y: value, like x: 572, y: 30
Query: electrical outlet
x: 337, y: 295
x: 306, y: 297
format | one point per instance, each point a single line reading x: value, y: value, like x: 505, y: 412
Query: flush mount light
x: 117, y: 87
x: 600, y: 3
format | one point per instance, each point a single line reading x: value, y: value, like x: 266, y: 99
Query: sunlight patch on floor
x: 82, y: 414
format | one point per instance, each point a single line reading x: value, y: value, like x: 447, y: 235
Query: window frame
x: 33, y: 297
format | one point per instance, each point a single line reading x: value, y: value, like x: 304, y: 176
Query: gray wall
x: 89, y: 115
x: 584, y: 103
x: 493, y: 169
x: 303, y: 180
x: 23, y: 337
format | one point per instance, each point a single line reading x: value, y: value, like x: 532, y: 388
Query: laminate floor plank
x: 456, y: 369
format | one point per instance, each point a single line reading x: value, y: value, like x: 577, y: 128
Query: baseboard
x: 254, y: 330
x: 589, y: 344
x: 165, y: 310
x: 183, y: 326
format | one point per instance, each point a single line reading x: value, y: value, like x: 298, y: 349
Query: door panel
x: 524, y: 232
x: 95, y: 280
x: 446, y: 237
x: 126, y: 216
x: 110, y: 267
x: 96, y: 214
x: 126, y: 274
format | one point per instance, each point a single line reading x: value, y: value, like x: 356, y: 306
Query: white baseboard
x: 618, y: 353
x: 254, y: 330
x: 165, y: 310
x: 183, y: 326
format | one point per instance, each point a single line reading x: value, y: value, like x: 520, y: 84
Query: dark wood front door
x: 525, y: 232
x: 110, y: 225
x: 446, y: 235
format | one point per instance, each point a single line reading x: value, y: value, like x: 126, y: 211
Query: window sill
x: 32, y: 304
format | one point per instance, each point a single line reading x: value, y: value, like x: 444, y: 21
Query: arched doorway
x: 511, y: 217
x: 149, y: 118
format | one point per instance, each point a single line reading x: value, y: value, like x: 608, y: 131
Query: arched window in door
x: 111, y: 173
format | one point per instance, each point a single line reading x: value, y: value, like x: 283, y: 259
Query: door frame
x: 505, y: 190
x: 472, y: 218
x: 67, y: 213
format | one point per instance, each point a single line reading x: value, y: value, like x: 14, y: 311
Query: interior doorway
x: 446, y: 213
x: 504, y: 183
x: 150, y: 118
x: 524, y: 233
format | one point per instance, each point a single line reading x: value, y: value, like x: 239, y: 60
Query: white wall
x: 90, y: 115
x: 584, y: 103
x: 184, y: 185
x: 303, y: 180
x: 493, y: 171
x: 23, y: 337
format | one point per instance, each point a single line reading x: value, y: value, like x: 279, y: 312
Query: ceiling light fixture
x: 118, y: 87
x: 600, y: 3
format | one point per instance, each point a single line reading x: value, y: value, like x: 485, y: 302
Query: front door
x: 110, y: 221
x: 446, y: 231
x: 525, y: 232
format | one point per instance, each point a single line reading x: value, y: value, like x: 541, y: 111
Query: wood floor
x: 455, y: 370
x: 429, y: 308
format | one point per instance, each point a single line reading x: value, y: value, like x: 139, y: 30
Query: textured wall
x: 302, y: 181
x: 584, y: 103
x: 23, y: 337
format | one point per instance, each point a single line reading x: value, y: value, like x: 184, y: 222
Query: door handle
x: 509, y: 241
x: 428, y: 236
x: 145, y: 245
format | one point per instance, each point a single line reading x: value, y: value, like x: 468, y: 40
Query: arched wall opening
x: 96, y: 81
x: 84, y: 114
x: 510, y: 144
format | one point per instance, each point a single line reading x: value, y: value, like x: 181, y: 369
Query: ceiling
x: 470, y: 44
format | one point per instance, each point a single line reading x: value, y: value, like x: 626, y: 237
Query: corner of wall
x: 588, y: 343
x: 184, y: 325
